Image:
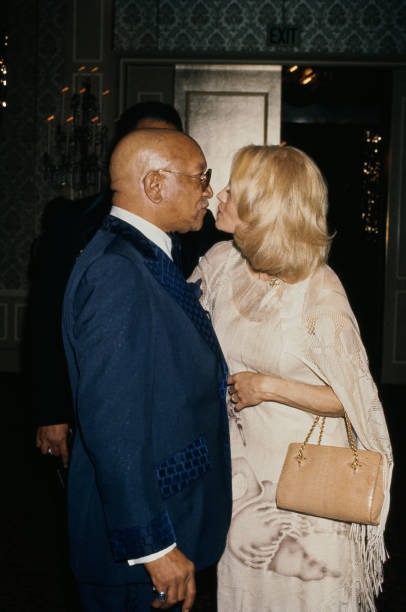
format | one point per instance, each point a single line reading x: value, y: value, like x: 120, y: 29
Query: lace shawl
x: 335, y: 352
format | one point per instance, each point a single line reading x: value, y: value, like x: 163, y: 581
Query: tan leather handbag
x: 345, y: 484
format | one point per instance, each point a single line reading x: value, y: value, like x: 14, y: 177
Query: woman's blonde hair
x: 281, y: 198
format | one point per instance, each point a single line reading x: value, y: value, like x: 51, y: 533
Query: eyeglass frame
x: 204, y: 177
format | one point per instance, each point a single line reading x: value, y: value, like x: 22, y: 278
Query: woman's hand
x: 245, y: 389
x: 251, y: 388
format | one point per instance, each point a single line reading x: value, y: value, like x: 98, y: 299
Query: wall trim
x: 14, y: 303
x: 283, y: 60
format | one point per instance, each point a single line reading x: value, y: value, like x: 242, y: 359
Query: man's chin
x: 197, y: 223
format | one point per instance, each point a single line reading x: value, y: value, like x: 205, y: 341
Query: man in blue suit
x: 67, y: 226
x: 149, y: 494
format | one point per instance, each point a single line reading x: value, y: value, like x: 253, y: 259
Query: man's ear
x: 153, y: 184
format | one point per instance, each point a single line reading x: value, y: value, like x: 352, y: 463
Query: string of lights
x: 3, y: 72
x: 372, y: 182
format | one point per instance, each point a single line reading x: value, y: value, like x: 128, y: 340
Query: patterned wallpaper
x: 35, y: 62
x: 36, y: 56
x: 240, y: 26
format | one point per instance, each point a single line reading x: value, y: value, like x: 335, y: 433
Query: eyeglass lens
x: 206, y: 179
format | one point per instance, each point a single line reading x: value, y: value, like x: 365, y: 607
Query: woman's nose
x: 220, y: 195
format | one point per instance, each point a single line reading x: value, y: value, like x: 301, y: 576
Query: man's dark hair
x: 146, y: 110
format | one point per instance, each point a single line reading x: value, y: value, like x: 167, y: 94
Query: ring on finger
x: 50, y: 451
x: 160, y: 595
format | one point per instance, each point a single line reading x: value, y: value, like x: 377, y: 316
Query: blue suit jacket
x: 150, y: 461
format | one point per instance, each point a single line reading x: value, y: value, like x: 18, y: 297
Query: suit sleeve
x: 116, y: 353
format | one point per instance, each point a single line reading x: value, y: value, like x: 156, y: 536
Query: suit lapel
x: 171, y: 278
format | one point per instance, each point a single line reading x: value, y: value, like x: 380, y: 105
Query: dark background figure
x: 67, y: 226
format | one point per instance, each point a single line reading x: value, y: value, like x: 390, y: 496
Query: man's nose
x: 208, y: 192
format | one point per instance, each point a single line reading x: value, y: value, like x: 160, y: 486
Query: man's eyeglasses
x: 204, y: 178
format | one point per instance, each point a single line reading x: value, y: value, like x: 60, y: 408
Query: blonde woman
x: 293, y: 348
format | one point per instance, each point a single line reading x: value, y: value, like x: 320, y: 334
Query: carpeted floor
x: 34, y: 571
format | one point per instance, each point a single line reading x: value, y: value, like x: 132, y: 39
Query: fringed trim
x: 372, y: 554
x: 371, y: 547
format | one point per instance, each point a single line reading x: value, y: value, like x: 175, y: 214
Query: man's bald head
x: 148, y: 149
x: 135, y: 162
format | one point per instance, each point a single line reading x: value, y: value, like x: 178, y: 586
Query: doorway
x: 341, y: 118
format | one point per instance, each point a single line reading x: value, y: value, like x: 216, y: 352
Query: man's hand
x: 54, y: 438
x: 173, y: 574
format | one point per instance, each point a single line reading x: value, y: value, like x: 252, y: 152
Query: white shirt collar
x: 150, y: 231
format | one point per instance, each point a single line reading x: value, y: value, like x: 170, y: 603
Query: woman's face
x: 227, y: 215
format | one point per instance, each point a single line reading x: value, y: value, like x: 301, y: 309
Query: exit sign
x: 286, y: 36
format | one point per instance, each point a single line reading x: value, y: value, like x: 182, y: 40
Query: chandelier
x: 76, y: 150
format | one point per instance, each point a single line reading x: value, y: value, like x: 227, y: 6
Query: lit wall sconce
x: 76, y: 155
x: 308, y: 75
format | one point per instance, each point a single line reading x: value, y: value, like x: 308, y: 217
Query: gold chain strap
x: 355, y: 462
x: 300, y: 456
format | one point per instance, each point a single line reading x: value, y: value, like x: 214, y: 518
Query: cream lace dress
x: 276, y: 560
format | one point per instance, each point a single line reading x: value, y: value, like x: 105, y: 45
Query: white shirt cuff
x: 153, y: 557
